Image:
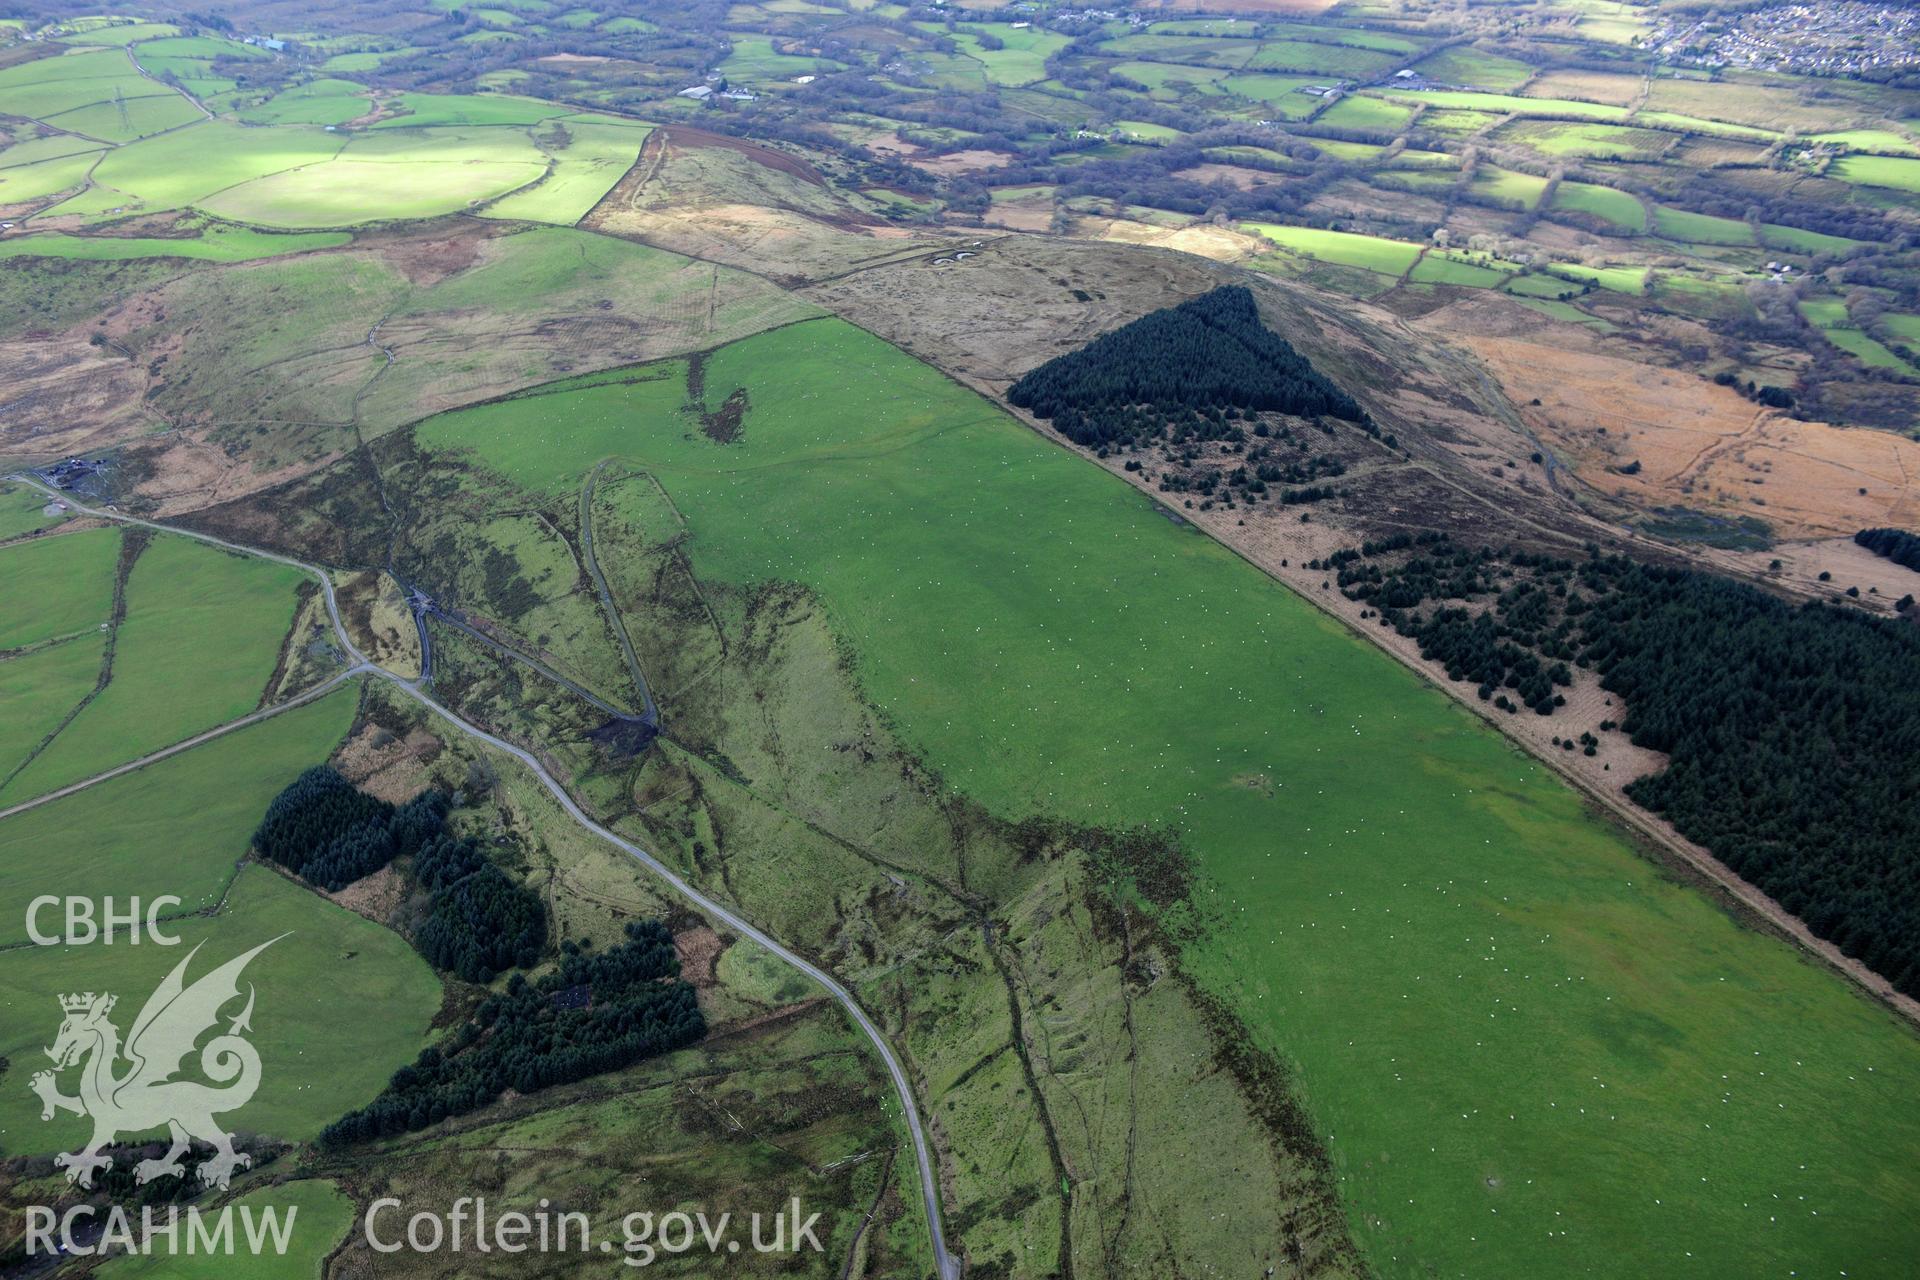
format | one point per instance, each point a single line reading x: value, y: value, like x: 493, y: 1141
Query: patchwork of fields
x: 192, y: 637
x: 342, y: 1001
x: 135, y: 146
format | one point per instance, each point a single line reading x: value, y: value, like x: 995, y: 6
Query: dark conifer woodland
x: 330, y: 833
x: 1196, y: 361
x: 1897, y: 545
x: 1792, y: 731
x: 595, y: 1013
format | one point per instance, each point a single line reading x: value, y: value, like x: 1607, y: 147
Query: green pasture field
x: 321, y: 102
x: 55, y: 586
x: 130, y: 119
x: 1586, y: 141
x: 1322, y: 59
x: 123, y: 34
x: 48, y: 86
x: 1022, y: 61
x: 1525, y: 1047
x: 1542, y: 286
x: 184, y: 167
x: 1699, y: 228
x: 1867, y: 350
x: 216, y: 243
x: 1793, y: 239
x: 932, y: 71
x: 1355, y: 112
x: 1279, y: 93
x: 1507, y: 187
x: 575, y: 431
x: 363, y: 60
x: 22, y: 510
x: 48, y: 99
x: 1620, y: 208
x: 597, y: 152
x: 322, y: 1215
x: 450, y: 145
x: 1159, y: 77
x: 1697, y: 124
x: 178, y: 826
x: 1884, y: 141
x: 425, y: 110
x: 341, y: 1003
x: 1455, y: 122
x: 1618, y: 279
x: 1233, y: 155
x: 1877, y: 171
x: 1564, y: 312
x: 52, y: 147
x: 1229, y: 53
x: 1441, y: 267
x: 1351, y: 152
x: 202, y: 635
x: 216, y: 93
x: 1388, y: 257
x: 1235, y: 27
x: 1505, y: 104
x: 1825, y: 313
x: 46, y: 178
x: 753, y: 59
x: 1624, y: 29
x: 37, y: 691
x: 1474, y: 68
x: 349, y: 191
x: 1905, y: 328
x: 204, y: 48
x: 1145, y: 131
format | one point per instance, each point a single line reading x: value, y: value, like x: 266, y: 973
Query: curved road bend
x: 948, y: 1266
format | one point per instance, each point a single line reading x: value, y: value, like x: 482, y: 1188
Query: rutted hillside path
x: 649, y: 712
x: 948, y: 1267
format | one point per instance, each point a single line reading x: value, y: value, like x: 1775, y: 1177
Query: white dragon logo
x: 147, y: 1096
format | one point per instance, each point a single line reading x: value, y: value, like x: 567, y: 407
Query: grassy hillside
x: 1523, y: 1046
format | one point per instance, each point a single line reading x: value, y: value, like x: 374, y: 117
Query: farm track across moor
x: 947, y: 1266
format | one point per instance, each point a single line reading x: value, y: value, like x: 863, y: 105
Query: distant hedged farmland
x: 342, y: 1000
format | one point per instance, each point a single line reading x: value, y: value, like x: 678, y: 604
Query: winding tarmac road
x: 947, y: 1265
